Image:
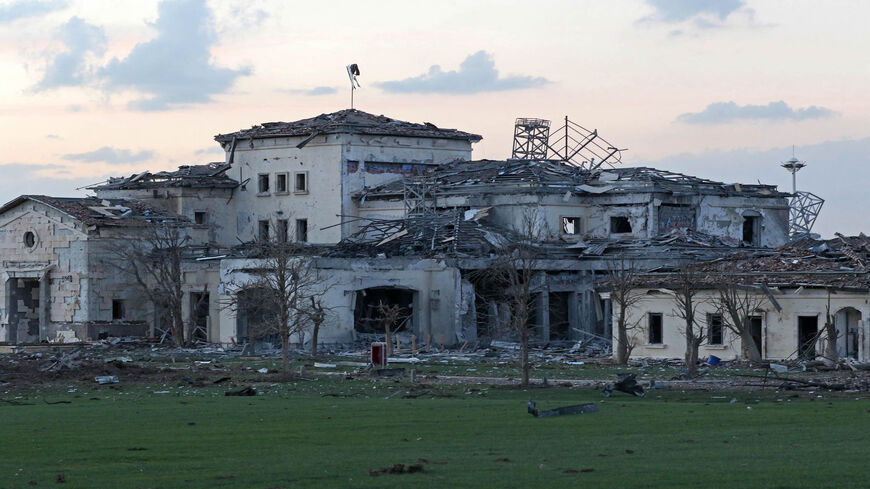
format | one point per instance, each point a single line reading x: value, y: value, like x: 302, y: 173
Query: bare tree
x: 389, y: 316
x: 153, y: 258
x: 685, y: 291
x: 830, y: 329
x: 285, y: 291
x: 738, y: 303
x: 513, y: 273
x: 315, y: 313
x: 622, y: 282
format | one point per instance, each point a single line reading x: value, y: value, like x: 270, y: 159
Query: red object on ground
x: 378, y: 354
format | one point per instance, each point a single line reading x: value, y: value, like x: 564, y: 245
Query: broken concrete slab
x: 576, y: 409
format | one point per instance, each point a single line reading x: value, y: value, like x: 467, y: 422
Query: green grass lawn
x: 332, y: 433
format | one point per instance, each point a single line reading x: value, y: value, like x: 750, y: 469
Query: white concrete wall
x: 779, y: 328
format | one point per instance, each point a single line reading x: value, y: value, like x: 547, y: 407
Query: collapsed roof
x: 347, y: 121
x: 501, y: 176
x: 840, y: 263
x: 211, y: 175
x: 91, y: 211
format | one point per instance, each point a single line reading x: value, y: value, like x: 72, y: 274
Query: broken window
x: 283, y: 230
x: 620, y: 224
x: 714, y: 329
x: 200, y: 217
x: 263, y: 183
x: 281, y: 183
x: 656, y: 334
x: 118, y: 309
x: 571, y: 225
x: 367, y: 317
x: 199, y: 315
x: 752, y: 228
x: 755, y: 331
x: 302, y: 230
x: 263, y: 231
x: 300, y: 180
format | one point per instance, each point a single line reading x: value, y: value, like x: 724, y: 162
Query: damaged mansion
x: 394, y: 215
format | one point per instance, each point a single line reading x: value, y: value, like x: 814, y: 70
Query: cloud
x: 44, y: 179
x: 723, y: 112
x: 683, y: 10
x: 314, y: 91
x: 52, y: 136
x: 476, y: 74
x: 29, y: 8
x: 214, y: 150
x: 834, y: 172
x: 107, y: 154
x: 175, y: 68
x: 69, y: 68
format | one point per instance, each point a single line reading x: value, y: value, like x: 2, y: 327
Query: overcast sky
x: 719, y: 89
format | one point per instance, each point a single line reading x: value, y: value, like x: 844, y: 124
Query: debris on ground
x: 625, y: 383
x: 577, y: 409
x: 247, y: 391
x: 398, y: 469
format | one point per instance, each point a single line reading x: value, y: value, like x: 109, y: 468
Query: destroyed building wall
x: 208, y: 208
x: 429, y: 289
x: 783, y: 333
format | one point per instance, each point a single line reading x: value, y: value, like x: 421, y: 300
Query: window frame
x: 304, y: 175
x: 263, y: 231
x: 613, y: 221
x: 119, y: 306
x: 578, y: 228
x: 197, y: 214
x: 661, y: 328
x: 263, y: 183
x: 721, y: 329
x: 286, y: 178
x: 301, y: 233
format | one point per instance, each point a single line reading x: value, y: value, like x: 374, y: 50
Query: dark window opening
x: 263, y: 231
x: 281, y: 182
x: 256, y: 317
x: 302, y: 230
x: 714, y: 329
x: 751, y: 230
x: 263, y: 182
x: 29, y: 239
x: 656, y: 335
x: 283, y: 230
x: 118, y: 309
x: 571, y: 225
x: 199, y: 315
x: 370, y: 305
x: 301, y: 182
x: 200, y: 217
x: 808, y: 328
x: 755, y: 331
x: 560, y: 324
x: 620, y: 224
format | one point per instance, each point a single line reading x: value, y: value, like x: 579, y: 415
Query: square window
x: 263, y: 183
x: 200, y: 217
x: 118, y: 309
x: 302, y: 230
x: 655, y: 328
x: 263, y: 230
x: 281, y: 183
x: 570, y: 225
x: 300, y: 182
x: 714, y: 329
x: 620, y: 224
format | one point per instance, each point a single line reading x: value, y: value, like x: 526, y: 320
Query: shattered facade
x: 394, y: 212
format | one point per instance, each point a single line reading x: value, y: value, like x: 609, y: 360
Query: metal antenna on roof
x: 352, y: 73
x: 804, y: 207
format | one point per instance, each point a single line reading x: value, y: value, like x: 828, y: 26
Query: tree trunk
x: 315, y: 330
x: 388, y: 339
x: 622, y: 350
x: 748, y: 347
x: 285, y: 353
x: 524, y: 354
x: 831, y: 354
x: 692, y: 344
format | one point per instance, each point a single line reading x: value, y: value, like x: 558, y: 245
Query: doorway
x: 808, y: 329
x: 372, y: 305
x: 22, y: 304
x: 756, y: 332
x: 199, y: 316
